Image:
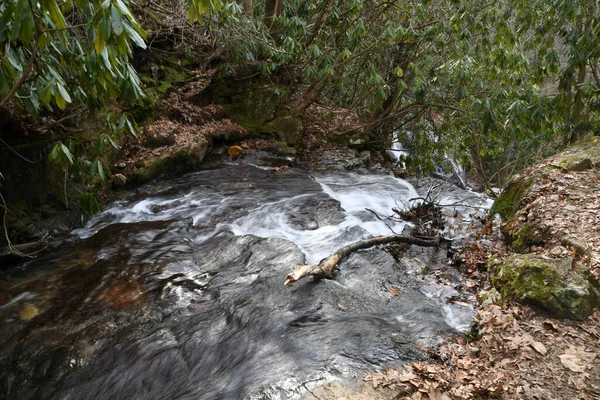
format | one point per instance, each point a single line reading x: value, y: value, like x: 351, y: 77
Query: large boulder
x: 507, y: 204
x: 289, y: 129
x: 524, y: 224
x: 548, y: 284
x: 172, y: 161
x: 255, y: 108
x: 579, y: 157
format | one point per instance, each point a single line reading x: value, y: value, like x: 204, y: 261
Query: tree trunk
x: 327, y: 265
x: 577, y: 106
x: 273, y: 9
x: 310, y: 95
x: 248, y: 8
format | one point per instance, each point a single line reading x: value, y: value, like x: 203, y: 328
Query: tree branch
x: 25, y: 75
x: 327, y: 265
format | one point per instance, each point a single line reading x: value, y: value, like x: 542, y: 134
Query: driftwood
x: 327, y: 265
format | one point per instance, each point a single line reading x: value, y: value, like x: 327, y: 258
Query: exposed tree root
x: 327, y: 265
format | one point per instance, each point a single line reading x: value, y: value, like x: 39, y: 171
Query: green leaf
x: 124, y: 9
x: 105, y: 26
x: 399, y: 72
x: 63, y: 92
x: 27, y: 29
x: 116, y: 21
x: 66, y: 152
x: 6, y: 16
x: 97, y: 169
x: 54, y: 153
x: 134, y: 36
x: 46, y: 95
x: 55, y: 13
x: 132, y: 130
x: 99, y: 42
x: 60, y: 101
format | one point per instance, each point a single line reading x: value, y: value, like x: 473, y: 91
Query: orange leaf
x: 394, y: 291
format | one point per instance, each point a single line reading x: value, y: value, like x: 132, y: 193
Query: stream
x: 176, y: 292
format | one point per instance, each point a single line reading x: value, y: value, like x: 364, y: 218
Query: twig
x: 12, y: 248
x: 382, y: 220
x: 17, y: 153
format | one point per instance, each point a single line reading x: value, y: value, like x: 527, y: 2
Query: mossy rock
x: 579, y: 157
x: 255, y: 108
x: 548, y: 284
x: 174, y: 162
x: 507, y: 204
x: 527, y: 235
x: 171, y: 76
x: 281, y: 149
x: 289, y: 129
x: 354, y: 140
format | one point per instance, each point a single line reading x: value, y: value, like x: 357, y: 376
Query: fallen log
x: 328, y: 264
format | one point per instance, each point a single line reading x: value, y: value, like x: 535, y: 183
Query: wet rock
x: 281, y: 149
x: 119, y: 180
x: 340, y: 159
x: 359, y: 143
x: 265, y: 159
x: 289, y: 129
x: 313, y: 213
x: 365, y: 157
x: 353, y: 391
x: 549, y: 284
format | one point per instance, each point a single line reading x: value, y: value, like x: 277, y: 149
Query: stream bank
x: 537, y: 334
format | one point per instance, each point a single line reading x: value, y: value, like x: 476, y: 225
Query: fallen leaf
x: 550, y: 325
x: 394, y: 291
x: 571, y: 362
x: 539, y: 347
x: 28, y: 313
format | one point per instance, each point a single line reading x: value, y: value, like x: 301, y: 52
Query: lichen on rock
x: 549, y: 284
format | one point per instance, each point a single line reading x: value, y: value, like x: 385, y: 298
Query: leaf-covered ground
x: 517, y: 356
x: 515, y: 352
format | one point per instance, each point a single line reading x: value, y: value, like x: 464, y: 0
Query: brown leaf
x: 550, y: 325
x: 571, y: 362
x: 394, y: 291
x: 540, y: 348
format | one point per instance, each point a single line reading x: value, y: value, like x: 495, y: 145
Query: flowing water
x: 177, y: 292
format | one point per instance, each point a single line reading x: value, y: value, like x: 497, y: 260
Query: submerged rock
x: 549, y: 284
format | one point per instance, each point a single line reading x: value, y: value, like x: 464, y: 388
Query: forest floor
x: 514, y: 351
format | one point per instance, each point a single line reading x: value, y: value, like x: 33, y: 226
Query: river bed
x: 177, y: 291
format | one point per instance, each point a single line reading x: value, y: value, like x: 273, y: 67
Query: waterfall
x: 400, y: 154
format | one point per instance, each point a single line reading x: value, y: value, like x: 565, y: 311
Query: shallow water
x: 177, y: 292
